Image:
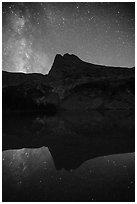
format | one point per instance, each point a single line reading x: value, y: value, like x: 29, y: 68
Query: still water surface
x: 69, y: 157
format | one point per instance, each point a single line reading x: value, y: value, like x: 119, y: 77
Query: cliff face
x: 72, y: 84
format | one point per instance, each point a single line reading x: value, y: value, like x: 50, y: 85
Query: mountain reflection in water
x: 64, y: 158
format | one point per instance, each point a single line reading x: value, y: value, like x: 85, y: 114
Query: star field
x: 33, y: 33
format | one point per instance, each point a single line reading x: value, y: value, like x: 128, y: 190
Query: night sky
x: 100, y: 33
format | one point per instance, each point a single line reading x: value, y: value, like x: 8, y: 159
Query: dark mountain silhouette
x: 97, y: 103
x: 69, y: 65
x: 70, y: 81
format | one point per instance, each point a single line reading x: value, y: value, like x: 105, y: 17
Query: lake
x: 69, y: 156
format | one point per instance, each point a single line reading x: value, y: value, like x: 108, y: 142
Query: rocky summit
x: 71, y: 84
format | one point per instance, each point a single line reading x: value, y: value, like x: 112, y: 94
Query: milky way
x: 33, y: 33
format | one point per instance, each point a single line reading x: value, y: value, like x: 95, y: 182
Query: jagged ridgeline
x: 70, y: 84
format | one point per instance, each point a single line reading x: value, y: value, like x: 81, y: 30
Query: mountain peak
x: 71, y: 57
x: 64, y: 64
x: 69, y: 65
x: 66, y: 59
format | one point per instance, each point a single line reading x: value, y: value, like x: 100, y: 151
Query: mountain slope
x: 71, y: 84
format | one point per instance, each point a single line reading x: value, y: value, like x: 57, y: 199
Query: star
x: 85, y: 29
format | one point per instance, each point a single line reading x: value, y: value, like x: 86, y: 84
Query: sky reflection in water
x: 30, y: 174
x: 64, y: 158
